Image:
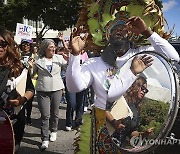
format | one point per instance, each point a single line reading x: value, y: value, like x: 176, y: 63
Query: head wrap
x: 100, y: 16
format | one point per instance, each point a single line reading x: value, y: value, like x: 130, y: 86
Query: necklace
x: 110, y: 72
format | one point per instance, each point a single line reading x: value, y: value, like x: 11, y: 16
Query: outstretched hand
x: 60, y: 36
x: 139, y: 64
x: 77, y: 40
x: 65, y: 54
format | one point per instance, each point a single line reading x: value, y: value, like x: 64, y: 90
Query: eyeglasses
x: 52, y: 47
x: 3, y: 44
x: 25, y: 44
x: 144, y: 89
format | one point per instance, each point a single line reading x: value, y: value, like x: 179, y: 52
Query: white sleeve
x: 118, y: 86
x: 61, y: 60
x: 78, y: 77
x: 162, y: 45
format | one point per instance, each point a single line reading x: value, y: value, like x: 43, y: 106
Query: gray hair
x: 44, y: 45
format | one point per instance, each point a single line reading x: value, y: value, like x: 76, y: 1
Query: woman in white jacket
x: 49, y: 89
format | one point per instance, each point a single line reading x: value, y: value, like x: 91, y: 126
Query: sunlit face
x: 119, y: 39
x: 3, y: 47
x: 142, y: 91
x: 50, y: 50
x: 25, y: 47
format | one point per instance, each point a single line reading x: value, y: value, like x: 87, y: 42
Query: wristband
x: 147, y: 33
x: 25, y: 99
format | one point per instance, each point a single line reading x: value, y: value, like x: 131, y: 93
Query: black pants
x: 19, y: 126
x: 28, y: 107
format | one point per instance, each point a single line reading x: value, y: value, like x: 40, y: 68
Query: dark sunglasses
x: 3, y: 44
x: 144, y: 89
x: 25, y: 44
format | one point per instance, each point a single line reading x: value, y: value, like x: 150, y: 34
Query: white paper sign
x: 21, y: 87
x: 24, y: 31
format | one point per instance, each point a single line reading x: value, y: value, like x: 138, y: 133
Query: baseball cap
x: 27, y: 40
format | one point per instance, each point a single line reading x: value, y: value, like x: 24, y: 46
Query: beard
x: 120, y: 44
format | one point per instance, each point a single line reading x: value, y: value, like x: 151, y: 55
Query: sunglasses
x: 3, y: 44
x: 144, y: 89
x: 25, y: 44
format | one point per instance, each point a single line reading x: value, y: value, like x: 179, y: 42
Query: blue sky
x: 171, y: 11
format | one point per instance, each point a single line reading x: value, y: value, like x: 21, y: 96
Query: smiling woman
x: 128, y: 125
x: 49, y: 88
x: 11, y: 68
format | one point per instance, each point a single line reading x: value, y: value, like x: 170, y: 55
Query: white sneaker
x: 44, y: 144
x: 53, y: 136
x: 68, y: 128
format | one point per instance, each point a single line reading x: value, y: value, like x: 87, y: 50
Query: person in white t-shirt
x: 112, y: 32
x: 101, y: 72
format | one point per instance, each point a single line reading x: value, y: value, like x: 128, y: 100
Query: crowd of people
x: 45, y: 79
x: 66, y: 70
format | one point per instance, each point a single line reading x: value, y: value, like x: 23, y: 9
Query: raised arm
x: 61, y: 38
x: 120, y: 83
x: 138, y: 26
x: 78, y: 77
x: 163, y: 46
